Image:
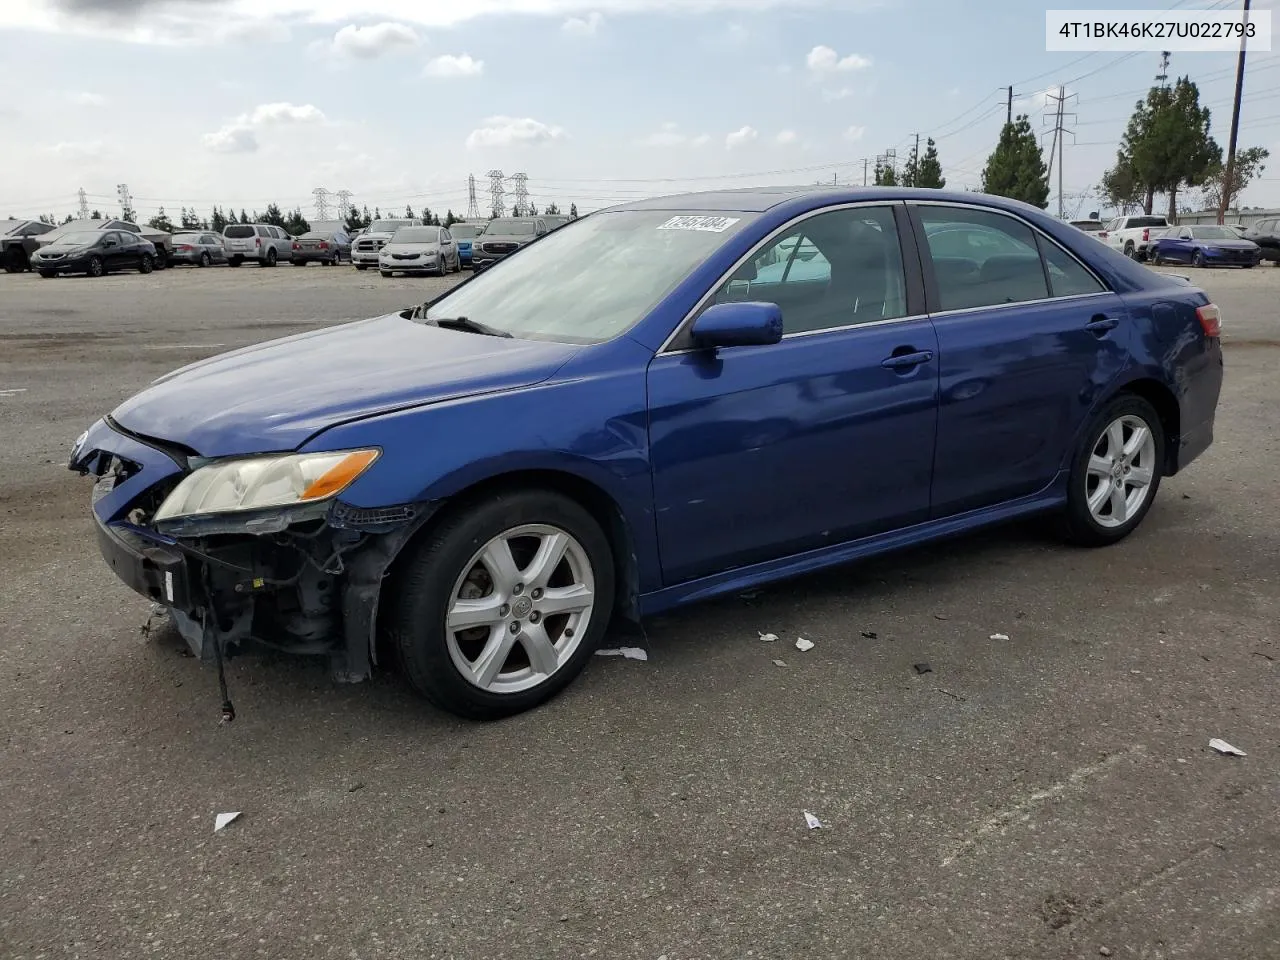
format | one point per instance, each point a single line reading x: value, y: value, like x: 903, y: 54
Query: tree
x: 161, y: 221
x: 929, y: 173
x: 533, y: 209
x: 353, y: 221
x: 377, y: 213
x: 68, y: 219
x: 129, y: 214
x: 243, y: 216
x: 96, y: 215
x: 1167, y: 143
x: 886, y: 176
x: 1121, y: 186
x: 1016, y: 167
x: 449, y: 219
x: 296, y: 224
x: 911, y: 169
x: 189, y: 219
x: 218, y: 222
x: 552, y: 210
x: 1249, y: 163
x: 273, y: 215
x: 428, y: 219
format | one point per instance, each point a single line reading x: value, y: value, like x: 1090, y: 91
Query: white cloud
x: 510, y: 131
x: 670, y: 135
x: 844, y: 93
x: 786, y: 137
x: 741, y: 137
x: 855, y: 133
x: 587, y: 26
x: 376, y: 40
x: 1039, y: 100
x: 450, y: 66
x: 86, y: 99
x: 702, y: 139
x: 823, y: 59
x: 240, y: 134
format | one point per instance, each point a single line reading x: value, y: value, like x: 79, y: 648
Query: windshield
x: 593, y: 282
x: 465, y: 231
x: 1213, y: 233
x: 9, y: 226
x: 84, y: 239
x: 238, y: 232
x: 509, y: 228
x: 388, y: 226
x: 416, y: 235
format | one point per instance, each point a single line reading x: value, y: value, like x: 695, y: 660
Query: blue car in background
x: 464, y: 234
x: 675, y: 399
x: 1203, y: 246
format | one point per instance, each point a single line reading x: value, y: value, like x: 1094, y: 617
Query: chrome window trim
x: 769, y: 238
x: 1026, y: 223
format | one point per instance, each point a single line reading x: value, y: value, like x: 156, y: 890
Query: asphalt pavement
x: 1047, y: 795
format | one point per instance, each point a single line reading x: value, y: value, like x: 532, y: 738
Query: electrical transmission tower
x: 344, y: 203
x: 84, y: 205
x: 497, y: 193
x: 473, y: 206
x: 322, y: 203
x: 126, y: 200
x: 521, y: 206
x: 1054, y: 104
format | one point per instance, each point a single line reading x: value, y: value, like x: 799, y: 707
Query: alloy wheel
x: 1120, y: 471
x: 520, y: 609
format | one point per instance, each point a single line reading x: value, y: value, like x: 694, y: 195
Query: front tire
x: 146, y: 264
x: 362, y: 266
x: 48, y: 274
x: 96, y: 267
x: 1116, y: 473
x: 499, y: 608
x: 385, y: 273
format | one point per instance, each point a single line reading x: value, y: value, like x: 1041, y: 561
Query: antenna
x: 322, y: 203
x: 497, y: 193
x: 473, y: 206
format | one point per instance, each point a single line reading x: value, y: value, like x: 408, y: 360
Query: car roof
x: 761, y: 199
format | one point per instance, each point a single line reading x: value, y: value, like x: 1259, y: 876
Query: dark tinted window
x: 1146, y: 222
x: 1066, y: 276
x: 832, y: 270
x: 981, y: 259
x: 238, y: 232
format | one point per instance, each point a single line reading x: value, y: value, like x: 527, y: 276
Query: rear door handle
x: 1102, y: 324
x: 905, y: 361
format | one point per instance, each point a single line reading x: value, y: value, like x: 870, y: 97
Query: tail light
x: 323, y: 245
x: 1102, y: 234
x: 257, y: 241
x: 296, y: 245
x: 1146, y: 234
x: 1210, y: 318
x: 185, y: 247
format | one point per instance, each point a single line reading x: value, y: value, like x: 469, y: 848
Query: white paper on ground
x: 631, y: 653
x: 222, y: 819
x: 768, y: 637
x: 999, y: 636
x: 779, y: 663
x: 802, y: 644
x: 813, y: 822
x: 1223, y: 747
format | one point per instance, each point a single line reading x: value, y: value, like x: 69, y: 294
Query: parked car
x: 553, y: 221
x: 624, y: 417
x: 1203, y: 245
x: 95, y: 253
x: 327, y: 247
x: 260, y: 242
x: 198, y: 248
x: 504, y: 236
x: 465, y: 234
x: 161, y: 240
x: 1131, y: 235
x: 364, y: 252
x: 18, y: 242
x: 1088, y: 226
x: 1266, y: 234
x: 419, y: 250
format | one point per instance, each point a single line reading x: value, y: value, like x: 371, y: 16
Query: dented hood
x: 274, y: 396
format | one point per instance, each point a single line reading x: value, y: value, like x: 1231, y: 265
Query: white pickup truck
x: 1131, y: 235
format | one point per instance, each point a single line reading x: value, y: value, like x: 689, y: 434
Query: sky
x: 245, y: 102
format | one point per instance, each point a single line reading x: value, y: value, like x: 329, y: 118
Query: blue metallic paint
x: 729, y: 469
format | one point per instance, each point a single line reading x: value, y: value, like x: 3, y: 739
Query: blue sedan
x: 654, y: 405
x: 1203, y: 246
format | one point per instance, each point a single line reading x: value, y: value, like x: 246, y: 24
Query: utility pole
x: 915, y: 163
x: 865, y: 161
x: 1229, y: 175
x: 1008, y: 109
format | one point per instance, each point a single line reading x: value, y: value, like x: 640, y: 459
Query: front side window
x: 982, y: 259
x: 832, y: 270
x: 592, y: 283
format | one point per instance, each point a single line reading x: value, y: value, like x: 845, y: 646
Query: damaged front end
x: 267, y: 555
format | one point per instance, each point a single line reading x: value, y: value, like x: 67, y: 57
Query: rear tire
x: 1105, y: 500
x: 1130, y: 250
x: 205, y: 259
x: 161, y: 259
x: 16, y: 261
x: 444, y: 570
x: 270, y: 259
x: 1197, y: 259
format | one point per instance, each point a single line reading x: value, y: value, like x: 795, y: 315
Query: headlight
x: 263, y: 482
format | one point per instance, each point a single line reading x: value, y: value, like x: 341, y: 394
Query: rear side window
x: 1067, y: 277
x: 1147, y: 222
x: 982, y: 259
x: 238, y: 232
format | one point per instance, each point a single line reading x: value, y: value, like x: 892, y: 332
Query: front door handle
x: 905, y: 361
x: 1101, y: 324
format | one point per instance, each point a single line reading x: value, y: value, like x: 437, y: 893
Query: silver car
x: 326, y: 247
x: 198, y: 249
x: 419, y: 250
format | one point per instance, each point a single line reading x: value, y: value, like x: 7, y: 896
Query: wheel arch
x: 1165, y: 402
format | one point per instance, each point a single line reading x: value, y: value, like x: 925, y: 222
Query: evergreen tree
x: 353, y: 221
x: 449, y: 219
x: 929, y: 171
x: 573, y: 211
x: 273, y: 216
x: 1016, y: 167
x: 911, y: 170
x: 1121, y: 187
x: 408, y: 212
x: 161, y: 222
x: 217, y: 222
x: 243, y: 216
x: 96, y: 215
x: 552, y: 210
x: 189, y: 219
x: 69, y: 218
x: 129, y: 214
x: 296, y: 224
x: 886, y: 176
x: 377, y: 213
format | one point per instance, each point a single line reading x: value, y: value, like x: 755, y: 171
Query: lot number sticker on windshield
x: 706, y: 224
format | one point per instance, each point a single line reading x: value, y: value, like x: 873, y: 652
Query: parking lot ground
x: 1042, y: 796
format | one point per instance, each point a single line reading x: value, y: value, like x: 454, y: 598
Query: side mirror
x: 738, y: 325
